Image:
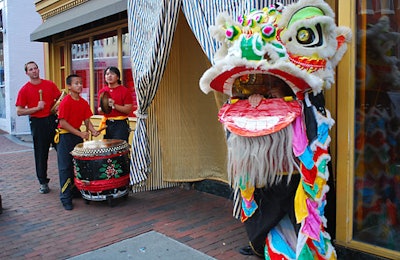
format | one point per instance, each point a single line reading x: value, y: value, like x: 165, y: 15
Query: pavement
x: 174, y: 223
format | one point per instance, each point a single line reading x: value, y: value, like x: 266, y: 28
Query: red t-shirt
x: 74, y: 111
x: 29, y: 96
x: 121, y: 96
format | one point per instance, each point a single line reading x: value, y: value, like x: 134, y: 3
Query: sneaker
x: 44, y: 188
x: 68, y: 206
x: 246, y: 250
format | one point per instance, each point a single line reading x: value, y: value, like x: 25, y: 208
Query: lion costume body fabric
x: 274, y: 64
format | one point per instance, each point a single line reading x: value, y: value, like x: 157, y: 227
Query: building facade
x: 85, y: 36
x: 15, y: 50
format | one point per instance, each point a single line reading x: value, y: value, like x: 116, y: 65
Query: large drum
x: 102, y: 169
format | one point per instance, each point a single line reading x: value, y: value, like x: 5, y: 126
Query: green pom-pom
x: 268, y: 32
x: 242, y: 20
x: 232, y: 33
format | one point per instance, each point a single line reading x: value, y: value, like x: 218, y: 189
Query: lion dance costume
x: 278, y: 146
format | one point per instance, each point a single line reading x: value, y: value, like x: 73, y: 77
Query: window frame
x: 55, y: 53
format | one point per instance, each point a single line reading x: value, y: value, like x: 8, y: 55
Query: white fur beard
x: 261, y: 160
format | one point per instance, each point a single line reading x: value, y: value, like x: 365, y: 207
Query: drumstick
x: 40, y: 95
x: 101, y: 129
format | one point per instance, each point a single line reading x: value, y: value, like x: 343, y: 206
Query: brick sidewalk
x: 35, y: 226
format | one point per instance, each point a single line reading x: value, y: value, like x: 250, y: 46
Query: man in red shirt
x: 35, y: 99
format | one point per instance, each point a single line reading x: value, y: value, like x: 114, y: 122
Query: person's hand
x: 111, y: 103
x: 40, y: 105
x: 95, y: 133
x: 85, y: 135
x: 255, y: 100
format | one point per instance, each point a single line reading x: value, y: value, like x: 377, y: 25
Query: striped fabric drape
x: 151, y: 26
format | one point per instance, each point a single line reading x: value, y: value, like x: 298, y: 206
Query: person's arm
x: 91, y: 128
x: 65, y: 125
x: 126, y: 109
x: 24, y: 111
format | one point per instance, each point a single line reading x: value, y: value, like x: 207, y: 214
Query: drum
x: 101, y: 169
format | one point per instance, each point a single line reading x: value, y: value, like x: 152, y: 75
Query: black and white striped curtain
x: 151, y: 26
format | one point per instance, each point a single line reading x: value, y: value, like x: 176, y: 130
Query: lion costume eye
x: 310, y: 37
x: 305, y: 36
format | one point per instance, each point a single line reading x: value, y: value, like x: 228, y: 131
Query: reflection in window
x: 377, y: 130
x: 105, y: 54
x: 128, y: 79
x: 80, y: 65
x: 367, y: 9
x: 386, y: 7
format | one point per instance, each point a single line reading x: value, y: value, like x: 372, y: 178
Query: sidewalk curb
x: 18, y: 141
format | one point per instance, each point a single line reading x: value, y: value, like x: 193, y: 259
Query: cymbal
x: 105, y: 107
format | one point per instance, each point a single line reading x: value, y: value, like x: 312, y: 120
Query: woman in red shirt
x: 121, y: 103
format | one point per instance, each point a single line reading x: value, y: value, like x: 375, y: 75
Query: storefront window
x: 377, y: 125
x: 105, y: 54
x: 126, y: 60
x: 80, y: 65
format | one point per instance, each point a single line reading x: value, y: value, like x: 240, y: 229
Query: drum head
x: 100, y: 147
x: 104, y: 102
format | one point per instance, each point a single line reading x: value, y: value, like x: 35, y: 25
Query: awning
x: 80, y: 15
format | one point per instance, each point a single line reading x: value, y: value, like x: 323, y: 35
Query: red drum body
x: 102, y: 169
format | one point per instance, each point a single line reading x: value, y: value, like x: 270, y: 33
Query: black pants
x: 43, y: 131
x: 117, y: 129
x: 66, y: 166
x: 273, y: 204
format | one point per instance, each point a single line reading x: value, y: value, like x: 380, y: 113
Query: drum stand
x: 108, y: 195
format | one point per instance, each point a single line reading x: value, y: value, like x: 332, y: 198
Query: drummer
x: 118, y: 107
x: 73, y: 110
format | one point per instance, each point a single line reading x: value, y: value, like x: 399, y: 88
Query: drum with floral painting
x: 101, y: 169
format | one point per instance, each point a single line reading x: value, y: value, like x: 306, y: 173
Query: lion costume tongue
x: 270, y: 116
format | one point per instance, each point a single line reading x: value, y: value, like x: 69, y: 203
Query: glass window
x: 62, y: 67
x: 105, y: 54
x: 80, y: 65
x: 127, y: 68
x: 377, y: 126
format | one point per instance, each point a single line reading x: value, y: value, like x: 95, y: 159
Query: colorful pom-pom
x: 268, y: 32
x: 232, y: 33
x: 241, y: 20
x: 272, y: 12
x: 259, y: 18
x: 251, y: 23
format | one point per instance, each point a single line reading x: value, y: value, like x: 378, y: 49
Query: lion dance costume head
x: 283, y: 57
